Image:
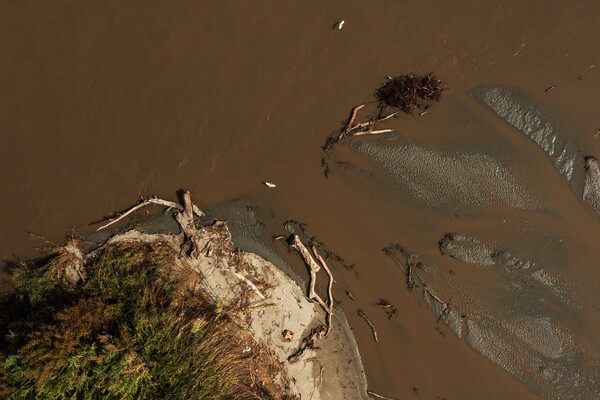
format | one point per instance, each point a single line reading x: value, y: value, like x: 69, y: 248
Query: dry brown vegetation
x: 408, y: 92
x: 133, y: 325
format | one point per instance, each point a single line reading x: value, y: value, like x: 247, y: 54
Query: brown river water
x: 102, y: 103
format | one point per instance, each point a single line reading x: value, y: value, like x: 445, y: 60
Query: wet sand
x: 100, y: 104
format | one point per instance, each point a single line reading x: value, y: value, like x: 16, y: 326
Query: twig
x: 380, y: 396
x: 435, y: 297
x: 447, y: 308
x: 350, y: 121
x: 387, y: 117
x: 259, y: 305
x: 371, y: 325
x: 249, y: 283
x: 376, y: 132
x: 370, y: 124
x: 409, y: 266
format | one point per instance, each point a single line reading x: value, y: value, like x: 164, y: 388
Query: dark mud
x: 100, y: 104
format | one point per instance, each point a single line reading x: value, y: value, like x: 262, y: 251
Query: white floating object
x: 341, y: 24
x: 269, y: 184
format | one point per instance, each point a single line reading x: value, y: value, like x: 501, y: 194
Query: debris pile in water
x: 410, y: 91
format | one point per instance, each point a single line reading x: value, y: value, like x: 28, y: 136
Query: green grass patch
x: 135, y: 328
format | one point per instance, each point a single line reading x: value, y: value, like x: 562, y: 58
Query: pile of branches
x: 408, y: 92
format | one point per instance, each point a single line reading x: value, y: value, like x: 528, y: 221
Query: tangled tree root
x: 408, y: 92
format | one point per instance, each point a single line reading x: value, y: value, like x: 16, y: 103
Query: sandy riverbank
x: 288, y: 330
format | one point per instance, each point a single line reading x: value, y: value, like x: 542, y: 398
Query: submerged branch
x: 371, y: 325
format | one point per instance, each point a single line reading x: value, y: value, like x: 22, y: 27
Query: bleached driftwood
x: 155, y: 201
x: 329, y: 286
x: 184, y: 217
x: 350, y: 121
x: 376, y: 132
x: 313, y: 267
x: 364, y: 128
x: 250, y: 284
x: 370, y: 124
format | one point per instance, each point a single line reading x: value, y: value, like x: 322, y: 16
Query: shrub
x: 135, y: 328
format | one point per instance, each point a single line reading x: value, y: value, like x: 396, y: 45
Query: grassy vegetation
x: 135, y: 327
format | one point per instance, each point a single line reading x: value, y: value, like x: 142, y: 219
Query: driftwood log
x: 159, y: 202
x: 313, y: 268
x: 184, y: 217
x: 329, y: 287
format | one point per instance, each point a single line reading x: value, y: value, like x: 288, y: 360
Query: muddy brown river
x: 103, y: 103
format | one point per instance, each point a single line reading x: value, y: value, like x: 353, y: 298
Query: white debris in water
x: 269, y: 184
